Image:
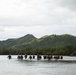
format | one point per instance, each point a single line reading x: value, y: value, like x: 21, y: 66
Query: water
x: 67, y: 66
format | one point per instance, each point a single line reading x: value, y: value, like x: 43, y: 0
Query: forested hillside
x: 50, y: 44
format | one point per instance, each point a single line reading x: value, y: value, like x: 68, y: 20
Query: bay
x: 66, y: 66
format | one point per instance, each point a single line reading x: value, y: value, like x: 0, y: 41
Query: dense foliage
x: 53, y: 44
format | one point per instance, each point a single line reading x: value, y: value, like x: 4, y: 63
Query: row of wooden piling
x: 38, y: 57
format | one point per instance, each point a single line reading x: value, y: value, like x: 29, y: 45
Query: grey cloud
x: 38, y: 12
x: 39, y: 17
x: 71, y: 4
x: 2, y: 29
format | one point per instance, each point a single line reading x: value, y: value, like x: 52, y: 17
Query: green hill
x: 49, y: 41
x: 29, y: 42
x: 12, y: 43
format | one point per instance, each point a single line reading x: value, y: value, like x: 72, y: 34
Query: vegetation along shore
x: 50, y: 44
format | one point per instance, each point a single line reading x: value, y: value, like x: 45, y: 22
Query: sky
x: 37, y: 17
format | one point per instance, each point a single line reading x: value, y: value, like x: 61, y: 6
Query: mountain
x: 49, y: 44
x: 55, y: 41
x: 12, y: 43
x: 44, y: 42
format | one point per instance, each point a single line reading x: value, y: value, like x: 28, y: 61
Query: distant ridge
x: 46, y: 41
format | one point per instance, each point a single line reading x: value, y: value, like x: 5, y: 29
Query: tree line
x: 67, y: 50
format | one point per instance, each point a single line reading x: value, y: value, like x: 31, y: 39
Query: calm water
x: 67, y: 66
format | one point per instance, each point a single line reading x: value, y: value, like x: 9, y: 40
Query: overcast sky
x: 37, y: 17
